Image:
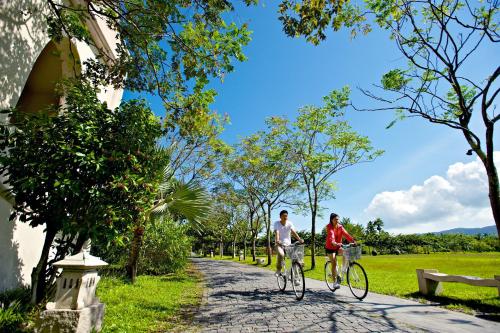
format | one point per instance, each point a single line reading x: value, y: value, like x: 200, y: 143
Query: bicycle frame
x: 341, y: 271
x: 295, y: 273
x: 350, y: 270
x: 288, y: 272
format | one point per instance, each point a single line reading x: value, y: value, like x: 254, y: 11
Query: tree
x: 376, y: 236
x: 238, y: 230
x: 167, y: 48
x: 371, y: 234
x: 174, y: 199
x: 79, y: 170
x: 441, y: 40
x: 280, y: 182
x: 236, y: 169
x: 370, y: 228
x: 233, y: 207
x: 252, y: 210
x: 324, y: 144
x: 195, y: 146
x: 219, y: 220
x: 261, y: 166
x: 378, y: 224
x: 355, y: 230
x: 254, y: 220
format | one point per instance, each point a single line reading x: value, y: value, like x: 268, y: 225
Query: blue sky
x: 282, y: 74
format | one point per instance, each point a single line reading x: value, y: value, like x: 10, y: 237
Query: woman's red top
x: 336, y: 234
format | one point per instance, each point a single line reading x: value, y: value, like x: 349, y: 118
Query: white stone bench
x: 429, y: 281
x: 260, y: 261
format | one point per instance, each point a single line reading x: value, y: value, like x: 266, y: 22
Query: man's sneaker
x: 277, y: 273
x: 336, y: 286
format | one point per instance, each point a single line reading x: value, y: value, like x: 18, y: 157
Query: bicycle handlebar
x: 346, y: 246
x: 296, y: 243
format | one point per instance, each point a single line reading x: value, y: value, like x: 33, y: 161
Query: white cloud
x: 458, y: 199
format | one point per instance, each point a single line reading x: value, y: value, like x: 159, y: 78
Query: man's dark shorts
x: 328, y: 251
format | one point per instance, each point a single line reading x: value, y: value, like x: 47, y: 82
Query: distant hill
x: 491, y: 230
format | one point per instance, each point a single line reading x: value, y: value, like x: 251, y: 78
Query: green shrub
x: 14, y: 309
x: 113, y: 252
x: 478, y: 246
x: 113, y: 270
x: 11, y: 317
x: 166, y: 248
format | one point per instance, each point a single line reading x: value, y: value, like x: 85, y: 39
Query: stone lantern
x: 76, y: 308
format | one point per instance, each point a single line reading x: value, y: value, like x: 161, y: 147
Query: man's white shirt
x: 285, y: 236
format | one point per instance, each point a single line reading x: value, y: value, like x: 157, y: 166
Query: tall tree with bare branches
x: 441, y: 40
x: 322, y: 144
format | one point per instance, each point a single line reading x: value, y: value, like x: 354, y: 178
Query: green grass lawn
x: 152, y: 304
x: 395, y: 275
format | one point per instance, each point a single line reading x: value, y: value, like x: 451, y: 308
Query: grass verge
x: 152, y: 304
x: 395, y: 275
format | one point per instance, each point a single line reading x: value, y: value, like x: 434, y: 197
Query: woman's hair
x: 332, y: 216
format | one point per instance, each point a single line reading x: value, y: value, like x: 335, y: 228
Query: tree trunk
x: 253, y: 233
x: 38, y: 281
x: 488, y: 160
x: 245, y: 238
x: 268, y: 224
x: 70, y: 245
x: 234, y: 249
x: 494, y: 193
x: 245, y: 250
x: 313, y: 239
x: 254, y: 239
x: 135, y: 249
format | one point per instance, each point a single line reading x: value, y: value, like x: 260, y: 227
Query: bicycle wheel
x: 282, y: 280
x: 357, y: 280
x: 298, y: 281
x: 328, y: 276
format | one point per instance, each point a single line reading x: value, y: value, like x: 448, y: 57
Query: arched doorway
x: 52, y: 65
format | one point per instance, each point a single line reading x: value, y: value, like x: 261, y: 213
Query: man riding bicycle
x: 334, y: 234
x: 283, y: 228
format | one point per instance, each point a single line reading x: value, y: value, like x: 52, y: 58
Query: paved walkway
x: 244, y: 298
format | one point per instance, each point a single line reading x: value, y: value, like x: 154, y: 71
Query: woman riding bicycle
x: 334, y: 233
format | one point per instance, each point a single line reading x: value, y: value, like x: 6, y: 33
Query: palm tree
x: 182, y: 201
x: 187, y: 201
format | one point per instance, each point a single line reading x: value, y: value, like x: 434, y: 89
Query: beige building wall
x: 30, y: 64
